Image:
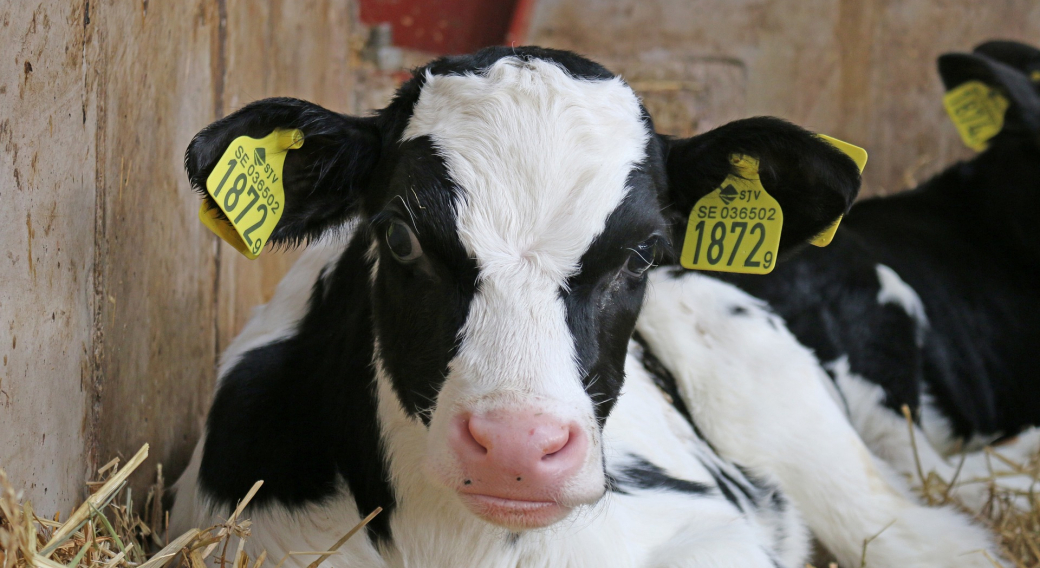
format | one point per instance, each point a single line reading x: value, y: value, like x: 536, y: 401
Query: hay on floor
x: 107, y: 531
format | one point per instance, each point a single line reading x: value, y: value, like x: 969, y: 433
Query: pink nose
x: 524, y: 454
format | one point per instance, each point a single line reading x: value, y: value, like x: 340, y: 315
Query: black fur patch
x: 603, y: 301
x: 978, y: 287
x: 419, y: 307
x: 301, y: 412
x: 641, y: 474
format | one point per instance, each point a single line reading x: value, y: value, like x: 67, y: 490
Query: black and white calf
x: 931, y: 298
x: 462, y: 344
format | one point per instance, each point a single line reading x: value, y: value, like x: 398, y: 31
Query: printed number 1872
x: 715, y: 250
x: 232, y: 201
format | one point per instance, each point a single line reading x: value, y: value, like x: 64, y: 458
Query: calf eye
x: 642, y: 258
x: 402, y: 242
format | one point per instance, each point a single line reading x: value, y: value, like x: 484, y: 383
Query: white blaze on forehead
x: 540, y: 158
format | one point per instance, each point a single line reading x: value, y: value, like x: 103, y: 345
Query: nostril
x: 475, y: 437
x: 557, y: 445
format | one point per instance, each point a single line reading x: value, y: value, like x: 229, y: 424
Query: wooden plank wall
x: 115, y: 302
x: 48, y: 196
x: 861, y: 70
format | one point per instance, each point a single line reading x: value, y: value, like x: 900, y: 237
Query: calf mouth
x: 515, y: 514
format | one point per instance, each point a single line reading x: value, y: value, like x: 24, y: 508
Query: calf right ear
x: 323, y: 180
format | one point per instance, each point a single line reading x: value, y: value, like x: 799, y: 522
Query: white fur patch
x: 540, y: 159
x: 888, y: 435
x: 895, y: 291
x: 758, y: 396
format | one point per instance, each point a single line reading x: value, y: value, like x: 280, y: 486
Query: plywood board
x: 47, y: 222
x: 861, y: 70
x: 278, y: 48
x: 155, y: 70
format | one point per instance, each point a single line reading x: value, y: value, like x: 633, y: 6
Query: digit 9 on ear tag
x: 247, y: 186
x: 736, y: 227
x: 977, y: 111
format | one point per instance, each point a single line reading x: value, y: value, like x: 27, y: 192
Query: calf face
x: 512, y: 202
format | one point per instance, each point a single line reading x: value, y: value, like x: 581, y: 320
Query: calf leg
x: 761, y: 399
x: 721, y: 547
x: 889, y: 437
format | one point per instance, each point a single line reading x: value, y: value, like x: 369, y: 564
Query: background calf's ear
x: 323, y: 180
x: 1023, y: 114
x: 813, y: 181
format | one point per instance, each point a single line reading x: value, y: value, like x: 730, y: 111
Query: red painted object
x: 449, y: 26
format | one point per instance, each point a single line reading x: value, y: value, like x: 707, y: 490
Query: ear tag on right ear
x: 859, y: 156
x: 977, y: 110
x: 247, y: 186
x: 736, y: 227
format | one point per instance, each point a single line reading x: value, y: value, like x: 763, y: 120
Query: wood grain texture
x: 860, y: 70
x: 157, y: 262
x: 278, y: 48
x: 47, y: 217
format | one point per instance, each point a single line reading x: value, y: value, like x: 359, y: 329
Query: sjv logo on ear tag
x: 247, y: 186
x: 977, y: 111
x: 858, y: 155
x: 735, y: 228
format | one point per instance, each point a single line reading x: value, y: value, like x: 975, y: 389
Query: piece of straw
x: 95, y: 501
x: 170, y: 550
x: 345, y: 538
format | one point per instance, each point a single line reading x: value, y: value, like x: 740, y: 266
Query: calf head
x: 1009, y: 193
x: 1009, y: 68
x: 512, y: 202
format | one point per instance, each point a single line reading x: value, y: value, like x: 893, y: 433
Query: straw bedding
x: 111, y: 530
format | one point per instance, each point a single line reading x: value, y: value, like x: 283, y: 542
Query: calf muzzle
x: 517, y: 464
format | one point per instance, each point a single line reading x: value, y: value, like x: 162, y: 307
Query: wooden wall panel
x: 278, y: 48
x: 862, y: 70
x: 47, y: 219
x: 109, y: 286
x: 155, y: 72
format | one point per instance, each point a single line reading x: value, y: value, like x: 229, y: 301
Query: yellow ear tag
x: 977, y: 111
x: 858, y: 155
x: 735, y: 228
x: 247, y: 186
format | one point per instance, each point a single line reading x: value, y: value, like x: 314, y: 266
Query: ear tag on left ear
x: 859, y: 156
x: 736, y: 227
x: 247, y: 186
x: 977, y: 110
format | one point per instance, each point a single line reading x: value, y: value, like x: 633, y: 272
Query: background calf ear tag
x: 736, y: 227
x: 858, y: 155
x: 977, y: 110
x: 247, y: 186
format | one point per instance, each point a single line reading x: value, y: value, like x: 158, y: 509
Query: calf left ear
x: 323, y: 180
x: 813, y: 181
